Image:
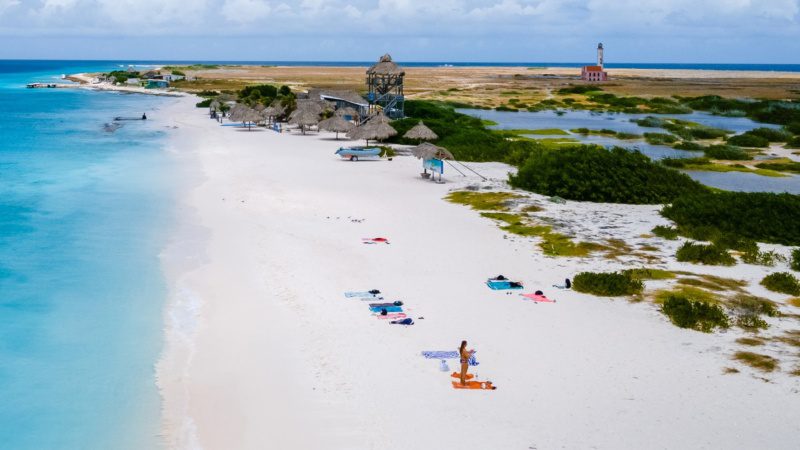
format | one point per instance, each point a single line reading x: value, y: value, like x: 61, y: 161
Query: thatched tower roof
x: 426, y: 150
x: 376, y: 128
x: 385, y: 66
x: 421, y: 132
x: 337, y: 124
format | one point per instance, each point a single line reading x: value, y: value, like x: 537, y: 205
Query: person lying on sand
x: 464, y: 354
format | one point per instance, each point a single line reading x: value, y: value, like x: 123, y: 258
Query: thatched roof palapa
x: 385, y: 66
x: 376, y: 128
x: 336, y: 124
x: 421, y: 132
x: 426, y: 150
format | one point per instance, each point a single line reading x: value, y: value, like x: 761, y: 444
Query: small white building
x: 133, y: 82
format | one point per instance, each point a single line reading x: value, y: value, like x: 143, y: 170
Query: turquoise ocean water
x: 84, y: 213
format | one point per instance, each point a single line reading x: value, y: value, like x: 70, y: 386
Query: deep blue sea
x: 74, y: 66
x: 84, y: 213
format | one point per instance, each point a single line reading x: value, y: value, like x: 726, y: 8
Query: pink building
x: 595, y: 73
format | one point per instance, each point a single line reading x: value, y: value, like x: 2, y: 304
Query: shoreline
x: 281, y: 358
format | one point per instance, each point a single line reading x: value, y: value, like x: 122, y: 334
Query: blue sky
x: 708, y: 31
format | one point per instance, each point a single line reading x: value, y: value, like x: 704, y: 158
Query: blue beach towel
x: 497, y: 285
x: 443, y: 354
x: 389, y: 309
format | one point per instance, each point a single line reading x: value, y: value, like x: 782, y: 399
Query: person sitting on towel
x: 464, y: 356
x: 515, y: 284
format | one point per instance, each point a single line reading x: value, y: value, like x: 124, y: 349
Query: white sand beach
x: 264, y: 351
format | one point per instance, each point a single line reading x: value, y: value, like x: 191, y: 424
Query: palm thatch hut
x: 426, y: 150
x: 376, y: 128
x: 336, y: 124
x: 304, y: 117
x: 420, y: 132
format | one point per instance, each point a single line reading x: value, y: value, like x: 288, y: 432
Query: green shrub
x: 795, y: 264
x: 748, y: 140
x: 748, y: 311
x: 205, y: 103
x: 581, y: 89
x: 207, y: 93
x: 613, y: 284
x: 783, y: 282
x: 593, y: 173
x: 679, y: 163
x: 771, y: 134
x: 793, y: 142
x: 660, y: 138
x: 698, y: 315
x: 760, y: 258
x: 704, y: 254
x: 650, y: 122
x: 689, y: 146
x: 665, y: 232
x: 758, y: 216
x: 727, y: 152
x: 789, y: 166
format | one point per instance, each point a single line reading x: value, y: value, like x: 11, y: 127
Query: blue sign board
x: 434, y: 165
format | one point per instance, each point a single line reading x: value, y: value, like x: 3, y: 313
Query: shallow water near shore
x: 84, y: 214
x: 620, y: 122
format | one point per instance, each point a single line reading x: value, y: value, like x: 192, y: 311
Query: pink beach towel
x: 392, y: 316
x: 538, y: 298
x: 376, y: 240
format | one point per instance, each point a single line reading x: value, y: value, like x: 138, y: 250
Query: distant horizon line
x: 515, y: 63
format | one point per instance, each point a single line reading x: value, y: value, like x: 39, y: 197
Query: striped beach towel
x: 359, y: 294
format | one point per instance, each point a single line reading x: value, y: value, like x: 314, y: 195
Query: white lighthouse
x: 600, y: 54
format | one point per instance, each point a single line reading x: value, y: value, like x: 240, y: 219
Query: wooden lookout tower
x: 385, y: 84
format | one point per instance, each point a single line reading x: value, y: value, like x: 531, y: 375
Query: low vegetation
x: 687, y: 312
x: 795, y: 262
x: 748, y: 140
x: 710, y: 254
x: 483, y: 201
x: 747, y: 311
x: 764, y: 363
x: 665, y: 232
x: 613, y: 284
x: 593, y: 173
x: 727, y: 152
x: 758, y: 216
x: 782, y: 282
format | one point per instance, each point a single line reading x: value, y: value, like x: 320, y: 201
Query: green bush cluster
x: 709, y: 254
x: 727, y: 152
x: 759, y: 216
x: 762, y: 258
x: 793, y: 142
x: 748, y: 140
x: 690, y: 146
x: 613, y: 284
x: 660, y: 138
x: 580, y: 89
x: 795, y: 262
x: 205, y: 103
x: 771, y: 134
x: 680, y: 163
x: 748, y: 311
x: 265, y: 94
x: 783, y: 282
x: 665, y: 232
x: 792, y: 166
x: 694, y: 314
x: 768, y: 111
x: 593, y: 173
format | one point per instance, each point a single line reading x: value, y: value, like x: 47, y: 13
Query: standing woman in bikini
x: 464, y: 355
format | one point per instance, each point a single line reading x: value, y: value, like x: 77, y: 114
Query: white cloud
x: 6, y: 4
x: 245, y: 11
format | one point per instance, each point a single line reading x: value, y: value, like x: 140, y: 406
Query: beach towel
x: 407, y: 321
x: 361, y: 294
x: 538, y: 298
x: 377, y: 240
x: 496, y: 285
x: 392, y: 316
x: 458, y: 375
x: 481, y: 385
x: 391, y: 309
x: 445, y: 354
x: 385, y: 305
